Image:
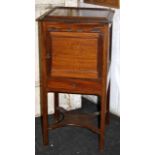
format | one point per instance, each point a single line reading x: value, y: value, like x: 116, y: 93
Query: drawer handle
x: 74, y: 85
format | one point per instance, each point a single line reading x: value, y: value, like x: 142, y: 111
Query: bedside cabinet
x: 75, y: 55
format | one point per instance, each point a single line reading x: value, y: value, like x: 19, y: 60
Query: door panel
x: 74, y: 54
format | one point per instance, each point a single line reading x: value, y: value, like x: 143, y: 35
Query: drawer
x: 74, y: 86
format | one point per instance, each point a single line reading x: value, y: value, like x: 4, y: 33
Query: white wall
x: 71, y: 101
x: 115, y: 66
x: 66, y: 101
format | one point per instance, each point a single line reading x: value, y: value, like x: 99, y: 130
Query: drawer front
x: 74, y: 86
x: 74, y: 55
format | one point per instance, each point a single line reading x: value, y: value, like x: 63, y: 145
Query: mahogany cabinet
x: 75, y: 55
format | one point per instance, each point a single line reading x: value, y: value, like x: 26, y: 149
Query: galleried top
x: 77, y: 14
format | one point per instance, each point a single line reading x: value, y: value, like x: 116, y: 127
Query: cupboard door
x: 74, y: 55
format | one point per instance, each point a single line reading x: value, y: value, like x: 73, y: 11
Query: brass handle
x: 74, y: 85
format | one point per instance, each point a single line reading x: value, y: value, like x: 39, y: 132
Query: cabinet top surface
x: 71, y: 13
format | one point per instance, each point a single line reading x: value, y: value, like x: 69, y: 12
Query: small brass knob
x: 74, y: 85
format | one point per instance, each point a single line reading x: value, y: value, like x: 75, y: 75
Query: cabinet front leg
x: 44, y: 116
x: 102, y: 123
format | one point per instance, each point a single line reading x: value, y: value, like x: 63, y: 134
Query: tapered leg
x: 44, y: 116
x: 108, y: 105
x: 102, y: 122
x: 56, y: 105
